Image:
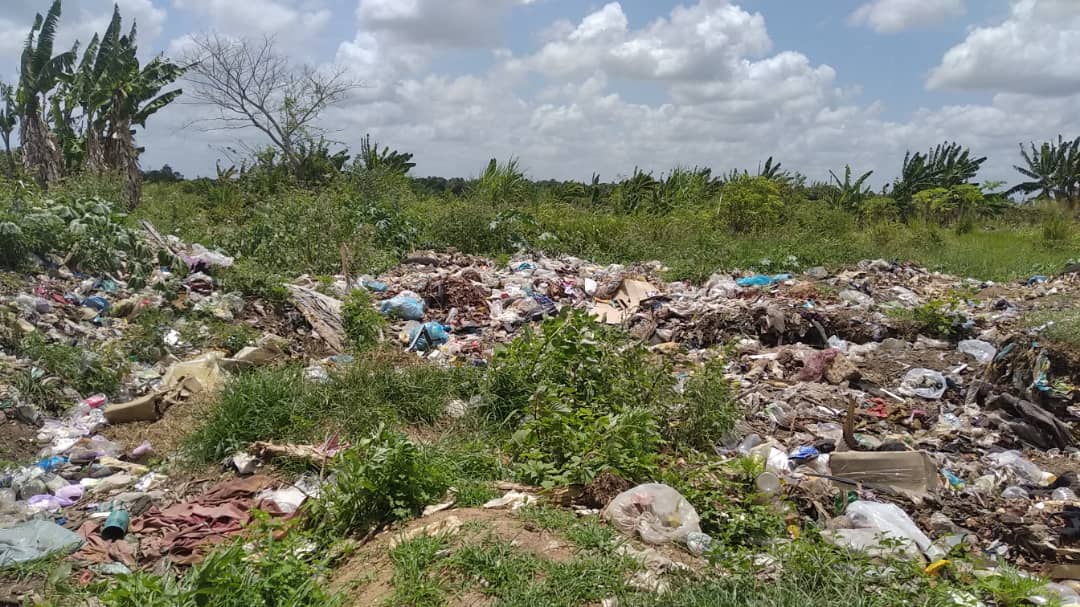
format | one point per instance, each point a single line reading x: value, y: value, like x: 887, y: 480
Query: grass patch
x: 278, y: 404
x: 416, y: 581
x: 1060, y: 327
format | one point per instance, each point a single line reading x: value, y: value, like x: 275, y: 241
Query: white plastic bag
x: 889, y: 519
x: 924, y: 383
x: 655, y: 512
x: 978, y: 349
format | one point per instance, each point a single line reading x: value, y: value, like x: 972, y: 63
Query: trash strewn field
x: 561, y: 419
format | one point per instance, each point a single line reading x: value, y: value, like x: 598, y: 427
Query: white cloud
x: 702, y: 42
x: 293, y: 22
x: 1033, y: 51
x: 708, y: 90
x: 891, y: 16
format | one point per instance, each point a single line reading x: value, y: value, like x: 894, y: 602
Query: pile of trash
x: 965, y: 437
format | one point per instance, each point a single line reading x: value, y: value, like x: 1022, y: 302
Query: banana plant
x: 9, y: 118
x: 850, y: 194
x: 40, y: 73
x: 1053, y: 170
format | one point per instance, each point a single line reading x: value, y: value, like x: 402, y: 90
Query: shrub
x: 579, y: 400
x: 1056, y: 226
x: 363, y: 323
x: 383, y: 478
x: 750, y: 203
x: 878, y: 209
x: 706, y: 411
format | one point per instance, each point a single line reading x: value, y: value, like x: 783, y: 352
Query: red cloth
x: 184, y: 530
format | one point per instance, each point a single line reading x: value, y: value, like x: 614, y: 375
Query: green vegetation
x: 383, y: 478
x: 256, y: 571
x: 364, y: 326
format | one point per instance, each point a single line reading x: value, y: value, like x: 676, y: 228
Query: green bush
x: 705, y: 413
x: 382, y: 478
x: 363, y: 324
x: 579, y: 402
x: 750, y: 203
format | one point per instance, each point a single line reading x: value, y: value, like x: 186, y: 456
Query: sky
x: 573, y: 87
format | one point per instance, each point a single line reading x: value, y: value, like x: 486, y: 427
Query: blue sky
x: 571, y: 87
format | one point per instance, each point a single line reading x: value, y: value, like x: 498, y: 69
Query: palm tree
x: 8, y: 119
x: 40, y: 74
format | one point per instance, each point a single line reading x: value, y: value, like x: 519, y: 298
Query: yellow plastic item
x: 936, y: 567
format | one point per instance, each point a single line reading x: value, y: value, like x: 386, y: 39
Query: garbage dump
x: 964, y: 432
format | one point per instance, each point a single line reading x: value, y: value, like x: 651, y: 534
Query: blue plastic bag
x: 761, y: 280
x: 404, y: 307
x: 804, y: 454
x: 427, y: 336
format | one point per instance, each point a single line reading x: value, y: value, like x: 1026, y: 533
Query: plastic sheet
x: 33, y: 540
x: 428, y: 336
x: 655, y: 512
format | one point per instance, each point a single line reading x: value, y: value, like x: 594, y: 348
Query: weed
x: 87, y: 370
x: 260, y: 571
x: 278, y: 404
x: 705, y: 413
x: 586, y: 533
x: 725, y: 498
x: 581, y: 403
x: 750, y: 203
x: 382, y: 478
x: 1010, y: 587
x: 1056, y: 226
x: 936, y: 318
x: 363, y: 324
x: 495, y: 565
x: 415, y: 582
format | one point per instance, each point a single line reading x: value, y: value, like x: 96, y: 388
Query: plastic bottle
x: 1014, y: 493
x: 1063, y: 494
x: 1015, y: 462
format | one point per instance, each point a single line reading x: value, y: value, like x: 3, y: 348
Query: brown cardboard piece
x: 909, y: 473
x: 625, y: 303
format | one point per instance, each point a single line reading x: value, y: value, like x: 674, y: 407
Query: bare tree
x: 251, y: 85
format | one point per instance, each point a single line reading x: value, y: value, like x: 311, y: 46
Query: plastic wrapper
x: 1016, y: 464
x: 427, y: 336
x: 655, y: 512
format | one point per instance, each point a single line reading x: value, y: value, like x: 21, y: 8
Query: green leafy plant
x: 382, y: 478
x: 363, y: 323
x: 706, y: 411
x: 578, y: 402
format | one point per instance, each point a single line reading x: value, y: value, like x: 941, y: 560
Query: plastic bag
x: 761, y: 280
x: 888, y: 519
x: 406, y: 306
x: 655, y: 512
x: 33, y: 540
x: 924, y: 383
x: 978, y: 349
x: 428, y: 336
